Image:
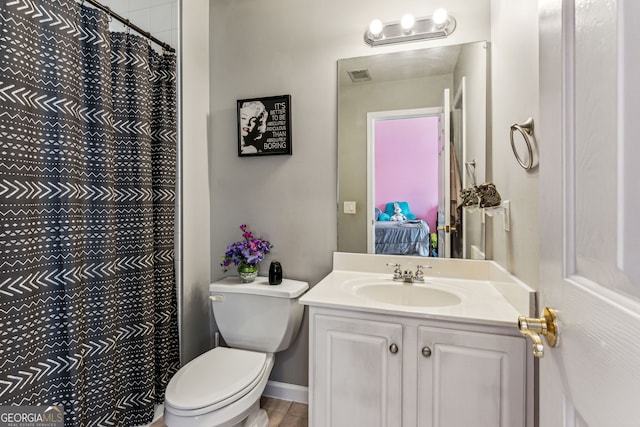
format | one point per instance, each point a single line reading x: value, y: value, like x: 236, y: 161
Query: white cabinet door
x: 356, y: 373
x: 470, y: 379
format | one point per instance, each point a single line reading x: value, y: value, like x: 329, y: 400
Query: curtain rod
x: 129, y: 24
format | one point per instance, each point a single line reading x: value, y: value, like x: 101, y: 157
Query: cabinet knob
x: 426, y: 351
x: 393, y: 348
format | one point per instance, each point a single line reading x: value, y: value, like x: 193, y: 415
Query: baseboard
x: 285, y: 391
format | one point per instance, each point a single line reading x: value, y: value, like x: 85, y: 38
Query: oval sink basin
x: 408, y: 295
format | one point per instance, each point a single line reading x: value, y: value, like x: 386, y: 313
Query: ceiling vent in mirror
x: 358, y: 76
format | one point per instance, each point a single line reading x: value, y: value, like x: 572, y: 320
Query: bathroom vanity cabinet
x: 369, y: 369
x: 445, y: 352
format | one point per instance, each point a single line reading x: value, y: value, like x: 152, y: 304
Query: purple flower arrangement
x: 248, y: 251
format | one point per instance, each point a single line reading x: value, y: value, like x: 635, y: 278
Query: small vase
x: 275, y: 273
x: 247, y: 272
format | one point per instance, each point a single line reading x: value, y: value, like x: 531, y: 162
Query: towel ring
x: 526, y: 130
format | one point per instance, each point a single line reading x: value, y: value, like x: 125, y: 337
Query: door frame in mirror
x: 372, y: 118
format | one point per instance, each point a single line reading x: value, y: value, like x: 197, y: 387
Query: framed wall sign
x: 264, y: 126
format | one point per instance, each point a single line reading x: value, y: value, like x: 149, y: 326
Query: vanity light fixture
x: 408, y: 29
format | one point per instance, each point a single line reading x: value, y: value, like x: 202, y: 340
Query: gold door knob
x: 534, y: 327
x: 447, y: 229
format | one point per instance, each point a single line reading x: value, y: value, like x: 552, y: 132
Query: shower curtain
x: 88, y: 313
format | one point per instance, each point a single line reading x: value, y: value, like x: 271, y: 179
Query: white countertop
x: 489, y: 295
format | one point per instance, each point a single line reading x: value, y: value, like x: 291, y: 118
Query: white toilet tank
x: 257, y: 316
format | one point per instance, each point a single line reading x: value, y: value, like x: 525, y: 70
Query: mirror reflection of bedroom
x: 395, y: 112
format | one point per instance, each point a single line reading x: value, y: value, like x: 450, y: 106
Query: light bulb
x: 407, y: 21
x: 375, y: 27
x: 440, y: 17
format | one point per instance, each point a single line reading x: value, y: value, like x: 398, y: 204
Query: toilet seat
x: 214, y: 380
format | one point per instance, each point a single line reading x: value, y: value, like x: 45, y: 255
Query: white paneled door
x: 589, y: 173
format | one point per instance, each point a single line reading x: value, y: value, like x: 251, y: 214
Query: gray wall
x: 514, y: 70
x: 261, y: 48
x: 194, y: 256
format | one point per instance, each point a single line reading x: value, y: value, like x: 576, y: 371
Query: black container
x: 275, y: 273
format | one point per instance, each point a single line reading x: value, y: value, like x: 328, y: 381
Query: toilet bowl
x: 223, y: 386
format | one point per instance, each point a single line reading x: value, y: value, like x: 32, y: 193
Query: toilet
x: 223, y: 386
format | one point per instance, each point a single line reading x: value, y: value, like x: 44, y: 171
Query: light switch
x: 350, y: 208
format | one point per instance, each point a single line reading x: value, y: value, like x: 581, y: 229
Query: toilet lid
x: 287, y: 289
x: 217, y: 375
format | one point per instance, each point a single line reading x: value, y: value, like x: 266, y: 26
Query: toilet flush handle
x: 216, y: 297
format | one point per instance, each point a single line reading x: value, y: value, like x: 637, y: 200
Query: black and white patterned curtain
x: 88, y: 313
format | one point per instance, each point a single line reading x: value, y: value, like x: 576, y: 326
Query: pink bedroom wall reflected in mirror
x: 406, y: 165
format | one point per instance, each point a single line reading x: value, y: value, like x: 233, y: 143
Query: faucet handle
x: 397, y: 273
x: 419, y: 273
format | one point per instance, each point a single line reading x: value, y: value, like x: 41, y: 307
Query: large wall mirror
x: 412, y: 132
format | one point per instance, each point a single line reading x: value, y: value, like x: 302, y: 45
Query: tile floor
x: 282, y: 413
x: 158, y: 423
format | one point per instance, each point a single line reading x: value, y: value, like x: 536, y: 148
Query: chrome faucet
x: 397, y: 273
x: 419, y: 277
x: 408, y: 276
